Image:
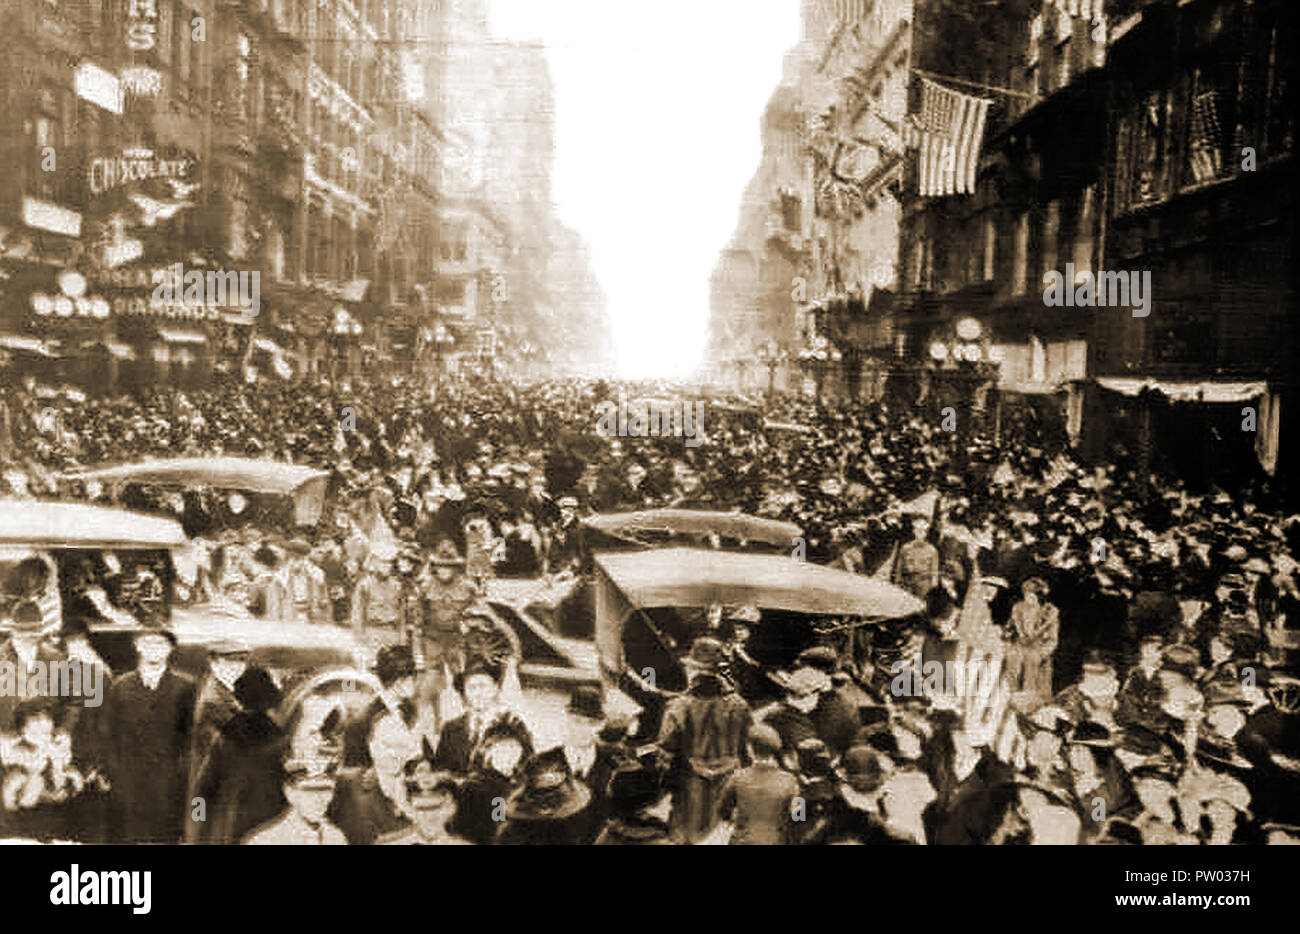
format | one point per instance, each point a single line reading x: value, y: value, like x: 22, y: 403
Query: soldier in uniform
x: 917, y: 570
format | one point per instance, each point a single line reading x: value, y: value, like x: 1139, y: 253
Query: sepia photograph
x: 587, y: 422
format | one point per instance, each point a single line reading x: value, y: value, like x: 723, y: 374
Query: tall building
x: 816, y: 236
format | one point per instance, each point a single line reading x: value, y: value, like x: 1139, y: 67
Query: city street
x: 530, y: 423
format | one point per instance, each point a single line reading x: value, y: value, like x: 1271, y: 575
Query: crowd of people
x: 1147, y: 688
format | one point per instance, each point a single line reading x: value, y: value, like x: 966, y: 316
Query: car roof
x: 207, y: 625
x: 36, y: 524
x: 232, y: 473
x: 736, y: 525
x: 699, y: 577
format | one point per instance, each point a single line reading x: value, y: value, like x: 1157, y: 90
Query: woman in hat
x: 480, y: 686
x: 550, y: 808
x: 238, y: 779
x: 639, y: 808
x: 495, y: 774
x: 432, y: 805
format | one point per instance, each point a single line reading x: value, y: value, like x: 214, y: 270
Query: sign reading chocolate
x: 135, y: 165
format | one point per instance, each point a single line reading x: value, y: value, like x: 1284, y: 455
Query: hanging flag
x: 1205, y: 135
x: 846, y: 11
x: 1085, y: 8
x: 947, y: 135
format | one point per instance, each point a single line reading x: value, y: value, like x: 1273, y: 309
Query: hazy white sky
x: 658, y: 108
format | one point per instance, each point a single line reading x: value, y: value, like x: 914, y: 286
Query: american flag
x: 847, y: 11
x: 1205, y: 137
x: 947, y: 134
x: 1085, y: 8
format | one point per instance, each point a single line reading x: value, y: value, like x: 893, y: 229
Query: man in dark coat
x: 149, y: 716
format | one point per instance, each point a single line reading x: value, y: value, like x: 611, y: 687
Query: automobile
x: 651, y: 605
x: 305, y: 486
x: 648, y: 528
x: 547, y: 660
x: 128, y: 555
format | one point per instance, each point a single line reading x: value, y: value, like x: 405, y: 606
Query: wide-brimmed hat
x: 394, y: 663
x: 821, y: 657
x: 802, y: 681
x: 549, y: 792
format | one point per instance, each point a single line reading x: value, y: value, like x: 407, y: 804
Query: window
x: 990, y: 244
x: 1020, y: 263
x: 1152, y: 121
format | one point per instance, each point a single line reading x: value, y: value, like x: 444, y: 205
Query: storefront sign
x: 134, y: 165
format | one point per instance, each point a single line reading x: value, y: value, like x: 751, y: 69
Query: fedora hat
x: 549, y: 792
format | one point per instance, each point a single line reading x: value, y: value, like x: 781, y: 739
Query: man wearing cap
x: 564, y: 545
x: 449, y: 593
x: 702, y: 739
x: 149, y: 716
x: 377, y: 598
x: 308, y: 787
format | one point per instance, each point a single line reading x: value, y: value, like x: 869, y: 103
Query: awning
x: 32, y: 345
x: 182, y: 337
x: 1203, y: 391
x: 115, y: 348
x: 1026, y: 388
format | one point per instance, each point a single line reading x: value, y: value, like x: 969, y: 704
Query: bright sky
x: 658, y: 108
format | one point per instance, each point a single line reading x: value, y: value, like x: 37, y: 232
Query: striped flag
x: 947, y: 134
x: 1205, y: 137
x: 846, y: 11
x: 1085, y: 8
